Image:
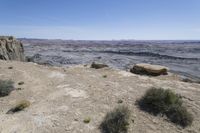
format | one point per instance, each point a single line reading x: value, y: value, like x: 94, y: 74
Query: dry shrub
x: 166, y: 102
x: 116, y: 121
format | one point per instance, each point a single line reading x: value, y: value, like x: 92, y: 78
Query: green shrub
x: 10, y: 38
x: 159, y: 100
x: 180, y: 115
x: 19, y: 107
x: 166, y: 102
x: 87, y: 120
x: 116, y: 121
x: 6, y: 87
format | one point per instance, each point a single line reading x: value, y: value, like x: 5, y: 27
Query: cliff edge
x: 11, y: 49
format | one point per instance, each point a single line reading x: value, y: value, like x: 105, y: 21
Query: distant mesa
x: 11, y: 49
x: 148, y: 69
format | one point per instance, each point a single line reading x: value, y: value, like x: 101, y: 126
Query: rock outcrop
x: 148, y: 69
x: 98, y: 65
x: 11, y: 49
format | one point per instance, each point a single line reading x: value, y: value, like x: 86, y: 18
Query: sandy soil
x: 61, y: 98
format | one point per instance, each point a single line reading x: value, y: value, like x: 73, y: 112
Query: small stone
x: 105, y: 76
x: 10, y: 67
x: 21, y: 83
x: 75, y: 119
x: 19, y: 89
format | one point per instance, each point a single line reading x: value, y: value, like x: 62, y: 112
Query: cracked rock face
x: 11, y: 49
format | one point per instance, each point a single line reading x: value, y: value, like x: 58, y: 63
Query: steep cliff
x: 11, y: 49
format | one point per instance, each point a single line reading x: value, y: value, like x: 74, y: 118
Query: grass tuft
x: 19, y: 107
x: 87, y: 120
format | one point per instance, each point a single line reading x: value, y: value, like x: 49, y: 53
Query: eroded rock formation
x: 11, y: 49
x: 148, y: 69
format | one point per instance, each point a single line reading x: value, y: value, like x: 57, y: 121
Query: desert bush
x: 116, y: 121
x: 6, y: 86
x: 10, y: 38
x: 180, y: 115
x: 19, y: 107
x: 166, y: 102
x: 159, y: 100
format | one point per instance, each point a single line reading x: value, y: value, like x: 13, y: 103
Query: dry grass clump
x: 19, y: 107
x: 116, y: 121
x: 6, y: 86
x: 87, y: 120
x: 180, y: 115
x: 166, y: 102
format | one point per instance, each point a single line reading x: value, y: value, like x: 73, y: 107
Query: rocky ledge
x: 76, y: 99
x: 11, y: 49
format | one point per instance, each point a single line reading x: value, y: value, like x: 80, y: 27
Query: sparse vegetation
x: 19, y: 107
x: 180, y: 115
x: 116, y: 121
x: 105, y: 76
x: 87, y: 120
x: 10, y: 37
x: 6, y: 87
x: 166, y: 102
x: 159, y: 100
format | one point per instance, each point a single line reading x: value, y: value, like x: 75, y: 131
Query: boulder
x: 11, y: 49
x: 98, y: 65
x: 148, y: 69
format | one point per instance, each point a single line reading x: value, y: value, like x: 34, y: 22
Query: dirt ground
x: 61, y: 98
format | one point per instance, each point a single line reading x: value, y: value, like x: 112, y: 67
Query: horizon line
x: 108, y: 39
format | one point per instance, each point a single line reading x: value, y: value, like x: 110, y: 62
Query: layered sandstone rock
x: 98, y: 65
x: 11, y: 49
x: 148, y: 69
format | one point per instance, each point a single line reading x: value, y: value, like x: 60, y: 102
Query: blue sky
x: 101, y: 19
